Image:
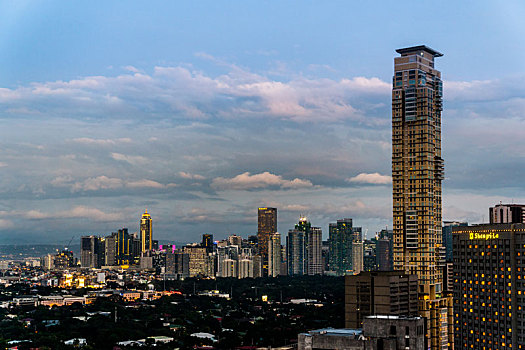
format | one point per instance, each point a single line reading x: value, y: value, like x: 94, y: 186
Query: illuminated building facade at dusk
x: 266, y: 225
x: 146, y: 232
x: 417, y: 172
x: 489, y: 286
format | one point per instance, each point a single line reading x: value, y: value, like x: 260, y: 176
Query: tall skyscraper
x: 357, y: 257
x: 91, y: 251
x: 274, y: 255
x: 266, y: 225
x: 417, y: 172
x: 207, y: 242
x: 295, y: 250
x: 146, y: 233
x: 341, y: 236
x: 314, y: 254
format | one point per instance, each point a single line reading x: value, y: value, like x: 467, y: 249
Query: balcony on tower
x: 439, y: 168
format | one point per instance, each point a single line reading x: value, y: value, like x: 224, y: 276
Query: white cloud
x: 132, y: 69
x: 102, y: 142
x: 190, y: 176
x: 78, y: 212
x: 106, y: 183
x: 98, y: 183
x: 145, y: 183
x: 373, y: 178
x: 246, y: 181
x: 133, y: 160
x: 178, y: 92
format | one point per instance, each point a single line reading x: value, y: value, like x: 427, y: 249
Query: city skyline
x: 203, y: 117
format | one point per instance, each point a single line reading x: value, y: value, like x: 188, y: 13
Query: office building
x: 274, y: 254
x: 417, y: 173
x: 146, y: 233
x: 507, y: 214
x: 207, y: 242
x: 266, y: 225
x: 341, y: 236
x: 379, y: 293
x: 91, y: 251
x: 489, y: 286
x: 122, y: 248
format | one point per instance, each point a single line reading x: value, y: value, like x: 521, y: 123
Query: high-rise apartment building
x: 304, y: 249
x: 341, y: 236
x: 266, y: 225
x: 489, y: 286
x: 417, y: 172
x: 314, y: 253
x: 357, y: 257
x: 274, y: 255
x: 146, y: 232
x: 295, y: 250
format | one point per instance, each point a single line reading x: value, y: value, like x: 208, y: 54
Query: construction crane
x: 71, y: 240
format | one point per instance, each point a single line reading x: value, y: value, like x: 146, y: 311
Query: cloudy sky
x: 203, y: 111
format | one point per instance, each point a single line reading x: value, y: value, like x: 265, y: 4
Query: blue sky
x: 203, y: 111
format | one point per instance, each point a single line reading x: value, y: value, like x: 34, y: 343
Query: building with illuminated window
x: 489, y: 286
x: 417, y: 172
x: 146, y: 232
x: 274, y: 255
x: 266, y: 225
x: 342, y: 234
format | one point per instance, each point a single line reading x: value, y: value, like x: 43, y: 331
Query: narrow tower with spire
x: 146, y: 232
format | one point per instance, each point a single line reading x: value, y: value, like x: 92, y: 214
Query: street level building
x: 417, y: 172
x: 378, y: 333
